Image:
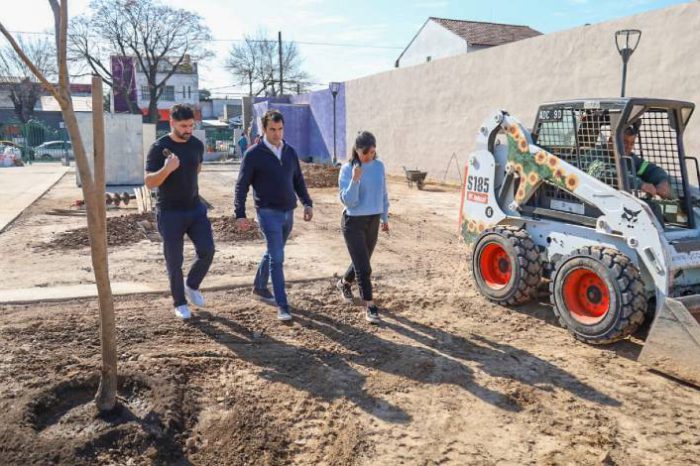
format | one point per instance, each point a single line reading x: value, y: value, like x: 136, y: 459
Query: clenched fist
x: 356, y: 172
x: 172, y: 162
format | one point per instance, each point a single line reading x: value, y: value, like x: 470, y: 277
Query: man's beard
x: 185, y: 136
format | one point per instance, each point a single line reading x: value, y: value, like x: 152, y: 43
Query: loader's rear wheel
x: 598, y: 295
x: 506, y: 265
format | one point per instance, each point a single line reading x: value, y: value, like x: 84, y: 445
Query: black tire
x: 516, y: 285
x: 598, y: 310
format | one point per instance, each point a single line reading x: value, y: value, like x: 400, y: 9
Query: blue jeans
x: 276, y: 225
x: 173, y: 225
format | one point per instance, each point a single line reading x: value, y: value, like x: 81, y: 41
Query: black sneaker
x: 372, y: 315
x: 264, y: 296
x: 346, y: 290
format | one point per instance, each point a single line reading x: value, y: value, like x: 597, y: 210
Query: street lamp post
x: 334, y: 88
x: 627, y: 41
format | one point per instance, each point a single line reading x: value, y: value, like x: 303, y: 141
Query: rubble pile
x: 318, y: 175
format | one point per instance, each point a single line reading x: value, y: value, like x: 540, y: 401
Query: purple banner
x: 124, y: 79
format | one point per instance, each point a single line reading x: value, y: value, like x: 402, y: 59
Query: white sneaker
x: 283, y: 314
x: 183, y: 312
x: 194, y: 296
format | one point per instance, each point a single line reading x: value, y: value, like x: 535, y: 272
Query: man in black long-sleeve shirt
x: 272, y: 168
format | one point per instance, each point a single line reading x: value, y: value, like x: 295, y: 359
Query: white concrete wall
x: 148, y: 138
x: 220, y: 104
x: 434, y: 41
x: 421, y: 115
x: 124, y: 154
x: 207, y: 108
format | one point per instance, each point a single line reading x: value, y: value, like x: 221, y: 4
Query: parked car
x: 10, y: 156
x: 27, y: 152
x: 54, y: 150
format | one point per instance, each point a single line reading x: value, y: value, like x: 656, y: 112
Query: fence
x: 219, y: 143
x: 36, y: 141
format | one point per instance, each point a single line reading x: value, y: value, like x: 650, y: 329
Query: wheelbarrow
x: 415, y: 176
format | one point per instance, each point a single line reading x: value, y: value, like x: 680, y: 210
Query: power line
x: 32, y: 32
x: 311, y: 43
x: 240, y: 86
x: 321, y: 44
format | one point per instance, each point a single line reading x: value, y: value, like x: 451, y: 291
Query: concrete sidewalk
x: 68, y: 292
x: 20, y: 187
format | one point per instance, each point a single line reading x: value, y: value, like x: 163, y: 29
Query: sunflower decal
x: 519, y: 168
x: 533, y: 178
x: 471, y: 226
x: 514, y: 131
x: 541, y: 157
x: 552, y: 162
x: 560, y: 173
x: 520, y: 195
x: 481, y: 226
x: 571, y: 182
x: 523, y: 146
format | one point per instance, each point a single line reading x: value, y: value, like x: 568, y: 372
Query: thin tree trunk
x: 107, y: 391
x: 97, y: 231
x: 153, y: 115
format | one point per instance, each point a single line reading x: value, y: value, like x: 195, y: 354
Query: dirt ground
x: 447, y: 378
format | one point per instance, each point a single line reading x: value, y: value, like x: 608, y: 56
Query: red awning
x: 164, y: 114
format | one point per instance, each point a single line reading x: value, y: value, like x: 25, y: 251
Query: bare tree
x: 255, y: 63
x: 243, y: 63
x: 24, y: 88
x: 161, y: 39
x: 85, y: 49
x: 93, y: 192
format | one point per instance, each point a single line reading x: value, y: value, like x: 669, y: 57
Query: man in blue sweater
x: 272, y: 168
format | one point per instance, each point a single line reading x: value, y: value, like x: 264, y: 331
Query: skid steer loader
x: 565, y: 203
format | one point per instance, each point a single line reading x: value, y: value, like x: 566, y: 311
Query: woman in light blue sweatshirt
x: 362, y: 184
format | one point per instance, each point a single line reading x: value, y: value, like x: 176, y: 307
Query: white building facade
x: 441, y: 38
x: 180, y: 88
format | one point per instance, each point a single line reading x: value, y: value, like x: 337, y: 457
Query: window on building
x: 168, y: 94
x: 189, y: 92
x: 184, y: 94
x: 428, y: 58
x: 144, y: 93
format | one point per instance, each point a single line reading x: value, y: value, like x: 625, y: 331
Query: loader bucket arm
x: 673, y: 344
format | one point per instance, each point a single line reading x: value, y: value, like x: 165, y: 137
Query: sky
x: 343, y: 40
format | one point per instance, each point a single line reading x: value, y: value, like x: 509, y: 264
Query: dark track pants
x: 360, y: 235
x: 173, y: 225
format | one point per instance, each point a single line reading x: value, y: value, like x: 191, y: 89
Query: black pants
x: 360, y: 235
x: 173, y: 226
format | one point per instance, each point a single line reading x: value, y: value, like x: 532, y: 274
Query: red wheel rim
x: 495, y: 266
x: 586, y: 296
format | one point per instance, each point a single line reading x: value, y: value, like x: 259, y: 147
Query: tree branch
x: 39, y: 75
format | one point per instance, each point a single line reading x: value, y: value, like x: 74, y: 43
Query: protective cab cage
x: 589, y: 135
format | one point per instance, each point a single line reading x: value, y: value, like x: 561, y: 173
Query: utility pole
x: 334, y: 88
x: 279, y: 46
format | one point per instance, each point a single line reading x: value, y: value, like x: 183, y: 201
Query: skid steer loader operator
x: 654, y: 179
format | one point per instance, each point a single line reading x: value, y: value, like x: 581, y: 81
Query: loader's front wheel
x: 506, y: 265
x: 598, y: 295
